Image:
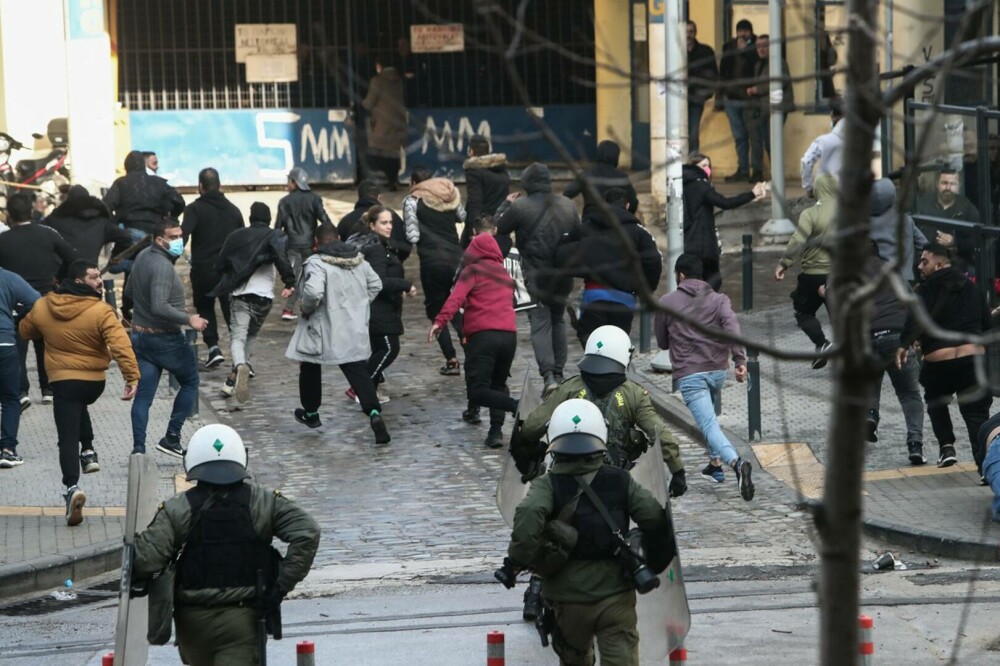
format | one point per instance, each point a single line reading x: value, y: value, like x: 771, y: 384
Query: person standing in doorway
x: 386, y: 103
x: 300, y: 212
x: 702, y: 75
x: 757, y: 113
x: 735, y: 68
x: 207, y: 223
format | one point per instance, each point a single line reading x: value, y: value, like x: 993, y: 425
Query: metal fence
x: 180, y: 54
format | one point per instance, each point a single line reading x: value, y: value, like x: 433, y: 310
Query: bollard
x: 753, y: 396
x: 305, y: 654
x: 678, y: 657
x: 747, y: 272
x: 108, y: 659
x: 645, y: 330
x: 494, y: 649
x: 866, y: 646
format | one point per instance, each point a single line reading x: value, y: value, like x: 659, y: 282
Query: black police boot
x: 532, y: 599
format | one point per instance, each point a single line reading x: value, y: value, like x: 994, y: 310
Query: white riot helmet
x: 216, y: 455
x: 577, y: 428
x: 608, y: 350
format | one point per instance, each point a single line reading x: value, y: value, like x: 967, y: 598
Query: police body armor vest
x: 619, y: 444
x: 223, y: 550
x: 595, y: 541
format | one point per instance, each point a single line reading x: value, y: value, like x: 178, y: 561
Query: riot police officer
x: 590, y: 596
x: 219, y: 535
x: 632, y: 420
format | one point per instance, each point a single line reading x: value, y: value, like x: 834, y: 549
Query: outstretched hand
x: 433, y: 333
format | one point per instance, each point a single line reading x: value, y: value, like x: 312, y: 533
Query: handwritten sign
x: 272, y: 68
x: 264, y: 39
x: 435, y: 38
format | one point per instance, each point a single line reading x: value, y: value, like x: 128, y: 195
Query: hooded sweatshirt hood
x: 608, y: 152
x: 492, y: 161
x: 883, y: 196
x: 826, y: 188
x: 536, y: 178
x: 483, y: 247
x: 691, y: 173
x: 71, y: 299
x: 134, y: 161
x: 340, y: 254
x: 216, y: 199
x: 79, y: 204
x: 437, y: 193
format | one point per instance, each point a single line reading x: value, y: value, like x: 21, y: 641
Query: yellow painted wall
x: 613, y: 52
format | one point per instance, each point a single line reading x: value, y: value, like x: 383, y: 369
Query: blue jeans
x: 697, y: 390
x: 734, y: 112
x: 155, y: 353
x: 10, y: 406
x: 991, y: 471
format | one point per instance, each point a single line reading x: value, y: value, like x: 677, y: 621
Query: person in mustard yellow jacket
x: 82, y: 334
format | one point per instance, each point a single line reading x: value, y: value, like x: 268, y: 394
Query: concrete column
x: 90, y: 93
x: 613, y: 55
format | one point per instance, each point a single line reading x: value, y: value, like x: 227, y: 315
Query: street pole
x: 657, y: 110
x: 779, y: 224
x: 675, y: 52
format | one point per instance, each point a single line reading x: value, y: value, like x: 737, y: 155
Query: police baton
x: 261, y: 607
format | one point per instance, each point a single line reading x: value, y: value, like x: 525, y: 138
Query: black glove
x: 274, y: 596
x: 678, y: 483
x: 507, y: 574
x: 534, y: 469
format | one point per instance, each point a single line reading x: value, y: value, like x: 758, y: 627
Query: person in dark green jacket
x: 214, y: 594
x: 589, y: 594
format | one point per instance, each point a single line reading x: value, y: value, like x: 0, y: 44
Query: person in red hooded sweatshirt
x: 486, y: 292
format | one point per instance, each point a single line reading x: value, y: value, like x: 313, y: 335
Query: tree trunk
x: 839, y: 518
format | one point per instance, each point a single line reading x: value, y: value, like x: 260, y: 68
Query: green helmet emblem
x: 218, y: 445
x: 599, y: 344
x: 576, y: 420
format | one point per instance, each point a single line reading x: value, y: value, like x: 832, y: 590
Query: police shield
x: 510, y: 489
x: 664, y: 615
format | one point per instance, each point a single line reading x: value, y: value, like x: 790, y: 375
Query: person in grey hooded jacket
x: 538, y: 220
x: 336, y: 289
x: 885, y: 220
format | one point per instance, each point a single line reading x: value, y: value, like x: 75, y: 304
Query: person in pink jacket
x: 486, y: 292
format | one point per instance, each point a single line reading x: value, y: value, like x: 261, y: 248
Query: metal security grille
x: 180, y: 54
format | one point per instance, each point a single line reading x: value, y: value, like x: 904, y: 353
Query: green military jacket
x: 579, y: 581
x: 628, y: 407
x: 273, y: 514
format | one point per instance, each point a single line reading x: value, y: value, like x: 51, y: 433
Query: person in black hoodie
x: 594, y: 252
x: 373, y: 238
x: 246, y: 266
x: 487, y: 184
x: 700, y: 201
x: 954, y: 303
x: 207, y: 223
x: 300, y: 212
x: 39, y: 255
x: 538, y: 221
x: 369, y: 194
x: 702, y: 73
x: 85, y: 223
x: 595, y: 182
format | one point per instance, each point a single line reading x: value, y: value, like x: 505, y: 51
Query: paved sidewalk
x: 944, y: 511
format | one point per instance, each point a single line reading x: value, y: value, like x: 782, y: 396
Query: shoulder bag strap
x: 599, y: 505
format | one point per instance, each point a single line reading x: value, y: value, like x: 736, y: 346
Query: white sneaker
x: 382, y: 397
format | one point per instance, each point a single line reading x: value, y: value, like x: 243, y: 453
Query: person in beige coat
x: 387, y: 106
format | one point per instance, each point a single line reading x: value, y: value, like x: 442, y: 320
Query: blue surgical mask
x: 176, y: 247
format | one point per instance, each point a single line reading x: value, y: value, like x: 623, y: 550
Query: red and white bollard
x: 866, y: 646
x: 108, y: 659
x: 678, y: 657
x: 305, y: 654
x: 494, y: 649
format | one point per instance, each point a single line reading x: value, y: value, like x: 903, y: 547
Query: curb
x: 900, y: 535
x: 50, y: 571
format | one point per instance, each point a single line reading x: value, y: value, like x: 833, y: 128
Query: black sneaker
x: 820, y: 363
x: 252, y: 373
x: 215, y: 357
x: 25, y: 402
x: 471, y: 415
x: 451, y: 369
x: 947, y: 457
x: 738, y: 177
x: 312, y: 420
x: 871, y: 426
x: 171, y: 445
x: 743, y: 471
x: 713, y: 473
x: 381, y: 432
x: 75, y: 499
x: 228, y: 388
x: 10, y: 459
x: 47, y: 397
x: 242, y: 384
x: 494, y: 440
x: 915, y: 450
x: 88, y: 462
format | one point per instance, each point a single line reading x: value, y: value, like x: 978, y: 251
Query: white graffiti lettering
x: 444, y: 140
x: 334, y: 143
x: 284, y: 145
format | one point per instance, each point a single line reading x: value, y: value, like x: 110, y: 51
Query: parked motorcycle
x: 48, y: 174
